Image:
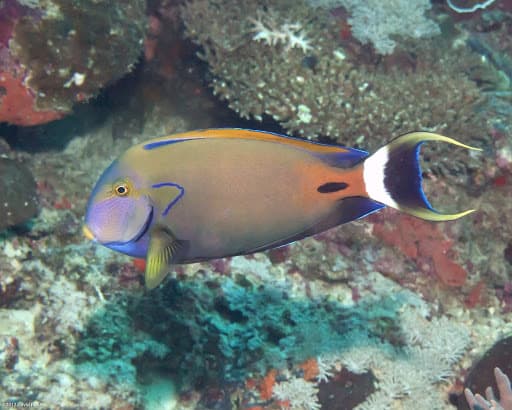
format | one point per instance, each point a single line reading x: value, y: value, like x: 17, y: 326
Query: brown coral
x: 75, y: 48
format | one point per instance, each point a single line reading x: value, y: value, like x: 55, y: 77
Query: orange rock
x: 310, y: 368
x: 140, y: 264
x: 267, y: 385
x: 17, y: 103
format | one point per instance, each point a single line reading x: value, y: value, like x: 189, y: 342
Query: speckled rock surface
x: 18, y: 193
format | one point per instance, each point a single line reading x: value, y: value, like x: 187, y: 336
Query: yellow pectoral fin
x: 163, y: 250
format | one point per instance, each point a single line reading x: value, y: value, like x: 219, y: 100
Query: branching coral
x: 377, y: 22
x: 268, y: 29
x: 299, y: 393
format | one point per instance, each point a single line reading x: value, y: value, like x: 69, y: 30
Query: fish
x: 215, y: 193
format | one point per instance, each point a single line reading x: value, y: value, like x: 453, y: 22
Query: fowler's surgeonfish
x: 222, y: 192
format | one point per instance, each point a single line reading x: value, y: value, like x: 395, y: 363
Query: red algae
x: 425, y: 244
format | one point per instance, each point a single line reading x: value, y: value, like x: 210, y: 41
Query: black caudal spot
x: 330, y: 187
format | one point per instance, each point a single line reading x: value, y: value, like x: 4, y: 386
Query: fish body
x: 222, y: 192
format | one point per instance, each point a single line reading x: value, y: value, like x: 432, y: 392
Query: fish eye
x: 121, y: 189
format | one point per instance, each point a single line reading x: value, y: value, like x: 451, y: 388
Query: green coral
x: 221, y: 330
x: 228, y: 329
x: 110, y: 346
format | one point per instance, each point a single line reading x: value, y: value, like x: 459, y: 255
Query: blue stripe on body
x: 175, y: 200
x: 158, y: 144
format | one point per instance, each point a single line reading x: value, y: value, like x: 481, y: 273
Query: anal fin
x: 347, y: 210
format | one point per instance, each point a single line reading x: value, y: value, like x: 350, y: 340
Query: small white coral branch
x: 300, y: 394
x: 325, y: 367
x: 267, y: 30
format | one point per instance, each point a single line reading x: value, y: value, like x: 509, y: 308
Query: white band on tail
x: 373, y: 174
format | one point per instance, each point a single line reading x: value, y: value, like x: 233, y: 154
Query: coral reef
x: 366, y: 315
x: 417, y: 350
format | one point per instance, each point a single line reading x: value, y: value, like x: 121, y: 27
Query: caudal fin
x: 392, y: 176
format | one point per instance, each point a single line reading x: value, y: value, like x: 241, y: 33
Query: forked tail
x: 392, y: 176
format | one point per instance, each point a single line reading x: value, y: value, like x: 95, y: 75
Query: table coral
x: 326, y: 90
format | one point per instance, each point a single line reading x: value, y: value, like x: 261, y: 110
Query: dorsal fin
x: 240, y: 133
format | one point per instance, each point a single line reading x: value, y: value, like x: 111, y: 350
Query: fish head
x: 118, y: 213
